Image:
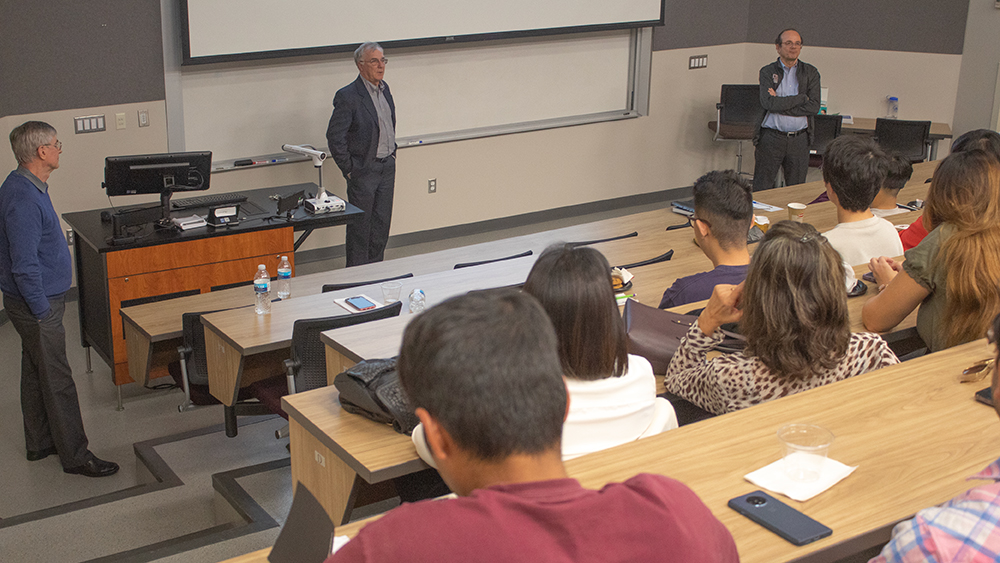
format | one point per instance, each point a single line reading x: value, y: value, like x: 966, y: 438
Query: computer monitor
x: 157, y: 173
x: 161, y: 174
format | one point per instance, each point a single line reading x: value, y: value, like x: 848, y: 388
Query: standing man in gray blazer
x: 362, y: 141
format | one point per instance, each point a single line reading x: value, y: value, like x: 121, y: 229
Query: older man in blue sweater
x: 35, y: 274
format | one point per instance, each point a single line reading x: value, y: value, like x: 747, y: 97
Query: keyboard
x: 207, y: 201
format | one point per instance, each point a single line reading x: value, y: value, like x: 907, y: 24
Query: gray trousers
x: 49, y: 405
x: 371, y: 190
x: 777, y: 150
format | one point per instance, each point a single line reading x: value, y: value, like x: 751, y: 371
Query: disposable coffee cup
x: 806, y: 447
x: 796, y: 212
x: 390, y: 291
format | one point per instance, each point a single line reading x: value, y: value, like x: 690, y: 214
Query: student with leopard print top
x: 793, y: 310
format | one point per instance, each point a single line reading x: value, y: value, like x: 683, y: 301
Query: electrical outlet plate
x: 697, y: 61
x: 119, y: 121
x: 144, y: 118
x: 432, y: 186
x: 89, y: 124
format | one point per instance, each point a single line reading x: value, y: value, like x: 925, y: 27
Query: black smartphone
x: 360, y: 303
x: 780, y: 518
x: 985, y: 396
x: 869, y: 277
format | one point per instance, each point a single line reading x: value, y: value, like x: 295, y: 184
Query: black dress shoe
x: 94, y: 468
x: 41, y: 454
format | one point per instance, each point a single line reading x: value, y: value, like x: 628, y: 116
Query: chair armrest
x: 291, y: 368
x: 184, y: 351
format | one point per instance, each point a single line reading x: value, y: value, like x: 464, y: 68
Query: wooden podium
x: 164, y: 264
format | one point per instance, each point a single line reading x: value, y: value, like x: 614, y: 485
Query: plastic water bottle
x: 284, y: 278
x: 262, y: 288
x: 892, y: 107
x: 418, y: 301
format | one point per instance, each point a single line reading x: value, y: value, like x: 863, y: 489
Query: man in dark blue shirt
x: 35, y: 274
x: 723, y: 214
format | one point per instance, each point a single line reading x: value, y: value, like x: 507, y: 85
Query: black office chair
x: 826, y: 128
x: 348, y: 285
x: 306, y: 369
x: 480, y: 263
x: 191, y: 371
x: 909, y: 139
x: 736, y: 115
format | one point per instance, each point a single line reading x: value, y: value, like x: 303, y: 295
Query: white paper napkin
x: 773, y: 478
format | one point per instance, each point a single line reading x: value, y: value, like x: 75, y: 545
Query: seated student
x: 966, y: 528
x: 982, y: 139
x: 483, y: 371
x: 612, y: 393
x: 953, y: 274
x: 898, y: 173
x: 723, y: 213
x: 854, y: 168
x: 793, y: 310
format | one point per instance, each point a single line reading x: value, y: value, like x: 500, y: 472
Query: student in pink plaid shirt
x: 966, y: 528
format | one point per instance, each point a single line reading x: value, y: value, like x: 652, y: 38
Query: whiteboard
x: 252, y: 108
x: 220, y: 28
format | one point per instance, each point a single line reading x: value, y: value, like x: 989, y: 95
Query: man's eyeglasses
x: 696, y: 218
x: 792, y: 43
x: 375, y: 62
x: 57, y: 145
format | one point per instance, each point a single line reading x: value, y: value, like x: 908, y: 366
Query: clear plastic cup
x: 806, y: 447
x: 390, y: 292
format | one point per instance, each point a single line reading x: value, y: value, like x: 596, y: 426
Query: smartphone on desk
x: 985, y: 396
x: 360, y: 303
x: 779, y: 518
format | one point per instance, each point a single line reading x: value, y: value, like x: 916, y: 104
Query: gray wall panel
x: 65, y: 54
x: 923, y: 26
x: 977, y: 82
x: 697, y: 24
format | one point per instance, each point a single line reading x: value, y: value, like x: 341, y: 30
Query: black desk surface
x: 88, y: 224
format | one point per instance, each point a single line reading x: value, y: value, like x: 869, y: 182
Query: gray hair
x: 27, y: 137
x: 359, y: 53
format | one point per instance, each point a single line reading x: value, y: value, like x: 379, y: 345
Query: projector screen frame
x: 188, y: 60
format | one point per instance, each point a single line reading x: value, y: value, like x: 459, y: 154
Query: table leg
x: 139, y: 351
x: 225, y: 365
x: 328, y: 478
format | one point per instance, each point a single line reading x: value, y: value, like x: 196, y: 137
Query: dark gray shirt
x: 386, y: 133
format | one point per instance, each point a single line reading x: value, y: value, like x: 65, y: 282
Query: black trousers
x: 49, y: 405
x: 776, y: 149
x: 371, y: 190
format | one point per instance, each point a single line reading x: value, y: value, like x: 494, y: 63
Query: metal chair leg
x: 90, y: 368
x: 118, y: 389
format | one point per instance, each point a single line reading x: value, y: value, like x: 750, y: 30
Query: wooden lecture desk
x: 155, y: 264
x: 913, y: 431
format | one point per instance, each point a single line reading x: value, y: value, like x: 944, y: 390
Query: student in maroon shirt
x: 484, y: 375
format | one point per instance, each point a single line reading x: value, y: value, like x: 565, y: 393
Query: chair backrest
x: 825, y: 129
x: 740, y: 103
x: 480, y: 263
x: 348, y: 285
x: 194, y: 339
x: 309, y: 351
x: 906, y: 138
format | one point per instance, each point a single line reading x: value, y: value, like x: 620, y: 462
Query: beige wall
x: 508, y: 175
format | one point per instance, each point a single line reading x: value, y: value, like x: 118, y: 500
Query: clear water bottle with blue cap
x: 418, y: 301
x: 262, y: 289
